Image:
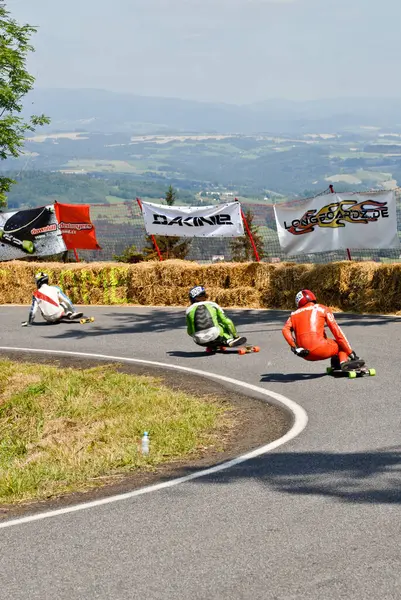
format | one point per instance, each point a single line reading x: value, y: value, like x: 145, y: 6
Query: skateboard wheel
x: 92, y: 319
x: 223, y: 349
x: 352, y: 374
x: 372, y: 372
x: 329, y: 370
x: 209, y: 351
x: 28, y: 246
x: 82, y: 321
x: 256, y: 349
x: 242, y: 351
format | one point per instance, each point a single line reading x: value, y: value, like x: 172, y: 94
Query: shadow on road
x: 291, y: 377
x: 162, y: 319
x: 360, y: 477
x: 194, y: 354
x: 347, y: 320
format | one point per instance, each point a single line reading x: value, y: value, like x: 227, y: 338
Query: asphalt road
x: 319, y: 518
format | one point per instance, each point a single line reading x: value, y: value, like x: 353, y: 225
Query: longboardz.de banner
x: 223, y: 220
x: 31, y: 232
x: 337, y: 222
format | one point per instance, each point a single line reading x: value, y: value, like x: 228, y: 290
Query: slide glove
x: 353, y: 356
x: 302, y: 352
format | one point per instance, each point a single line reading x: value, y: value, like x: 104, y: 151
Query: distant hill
x: 104, y: 111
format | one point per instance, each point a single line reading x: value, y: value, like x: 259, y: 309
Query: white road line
x: 300, y: 422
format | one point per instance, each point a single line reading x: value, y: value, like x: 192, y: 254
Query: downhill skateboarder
x: 53, y: 304
x: 304, y: 332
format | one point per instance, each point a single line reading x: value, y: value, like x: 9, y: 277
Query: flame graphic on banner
x: 338, y: 214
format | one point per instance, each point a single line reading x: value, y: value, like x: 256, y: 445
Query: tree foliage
x: 129, y: 255
x: 169, y: 246
x: 15, y: 83
x: 241, y: 247
x: 36, y: 188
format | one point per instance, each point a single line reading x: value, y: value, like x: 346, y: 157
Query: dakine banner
x: 223, y: 220
x: 337, y: 222
x: 32, y: 232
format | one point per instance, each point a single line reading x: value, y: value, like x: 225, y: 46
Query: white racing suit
x: 52, y: 303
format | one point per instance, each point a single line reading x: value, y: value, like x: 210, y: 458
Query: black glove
x: 353, y: 356
x: 302, y: 352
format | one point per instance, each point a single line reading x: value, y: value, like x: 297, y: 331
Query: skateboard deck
x: 86, y: 320
x: 239, y: 349
x: 352, y: 374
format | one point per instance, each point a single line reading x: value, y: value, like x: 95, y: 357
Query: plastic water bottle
x: 145, y: 443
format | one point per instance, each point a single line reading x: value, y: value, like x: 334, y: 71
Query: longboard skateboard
x: 18, y: 229
x: 352, y: 374
x: 25, y: 245
x: 239, y: 349
x: 86, y: 320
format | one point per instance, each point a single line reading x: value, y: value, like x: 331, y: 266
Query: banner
x: 223, y: 220
x: 338, y: 222
x: 32, y: 232
x: 76, y: 226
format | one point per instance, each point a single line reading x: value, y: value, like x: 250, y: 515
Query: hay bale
x: 240, y: 297
x: 360, y: 287
x: 285, y: 282
x: 385, y: 289
x: 255, y: 275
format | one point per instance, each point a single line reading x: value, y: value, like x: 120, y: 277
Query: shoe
x: 351, y: 365
x: 335, y: 363
x: 238, y: 341
x: 74, y: 315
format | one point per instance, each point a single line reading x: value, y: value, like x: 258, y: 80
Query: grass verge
x: 64, y: 430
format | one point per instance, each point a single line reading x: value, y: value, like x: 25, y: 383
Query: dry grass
x: 68, y: 430
x: 349, y: 286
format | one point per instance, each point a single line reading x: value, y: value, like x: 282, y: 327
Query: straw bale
x: 285, y: 282
x: 323, y: 280
x: 240, y: 297
x: 219, y: 275
x: 7, y: 286
x: 263, y: 273
x: 355, y: 286
x: 142, y: 283
x: 385, y: 289
x: 142, y: 274
x: 182, y: 271
x: 351, y: 286
x: 245, y: 274
x: 188, y: 274
x: 173, y: 296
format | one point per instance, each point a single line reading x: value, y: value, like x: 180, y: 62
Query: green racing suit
x: 208, y: 324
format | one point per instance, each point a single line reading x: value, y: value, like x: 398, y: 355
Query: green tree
x: 15, y: 83
x: 171, y: 196
x: 129, y: 255
x: 241, y: 247
x: 169, y: 246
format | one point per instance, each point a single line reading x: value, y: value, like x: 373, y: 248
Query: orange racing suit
x: 305, y: 329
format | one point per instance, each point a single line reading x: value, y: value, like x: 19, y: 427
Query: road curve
x: 317, y: 518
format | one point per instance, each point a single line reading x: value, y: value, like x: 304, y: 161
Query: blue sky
x: 235, y: 51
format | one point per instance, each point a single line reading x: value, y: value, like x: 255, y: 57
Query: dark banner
x: 32, y: 232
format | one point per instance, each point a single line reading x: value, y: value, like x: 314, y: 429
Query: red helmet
x: 303, y: 297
